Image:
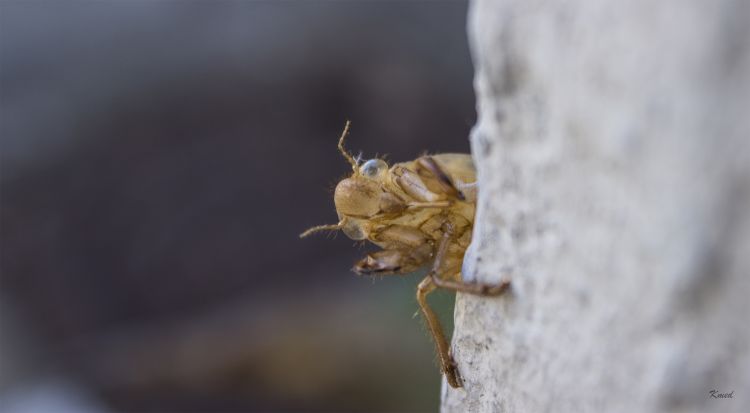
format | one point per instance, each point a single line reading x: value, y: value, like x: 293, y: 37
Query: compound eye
x: 353, y: 230
x: 373, y: 168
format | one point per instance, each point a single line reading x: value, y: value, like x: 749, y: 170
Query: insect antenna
x: 329, y: 227
x: 347, y: 155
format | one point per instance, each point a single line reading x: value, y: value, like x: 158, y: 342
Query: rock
x: 613, y: 160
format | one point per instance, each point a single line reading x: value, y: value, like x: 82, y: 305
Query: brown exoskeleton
x: 418, y: 212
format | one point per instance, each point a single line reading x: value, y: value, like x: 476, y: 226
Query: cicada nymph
x: 421, y: 214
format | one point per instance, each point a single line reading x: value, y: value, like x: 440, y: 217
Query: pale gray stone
x: 613, y: 156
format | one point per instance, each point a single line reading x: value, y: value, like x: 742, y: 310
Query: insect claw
x: 453, y: 376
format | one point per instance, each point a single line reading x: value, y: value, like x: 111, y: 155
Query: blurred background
x: 159, y: 160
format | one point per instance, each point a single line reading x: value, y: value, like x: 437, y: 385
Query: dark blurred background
x: 159, y: 160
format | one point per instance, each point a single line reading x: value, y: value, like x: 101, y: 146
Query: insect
x: 420, y: 213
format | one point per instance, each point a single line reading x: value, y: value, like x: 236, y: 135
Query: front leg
x: 394, y: 261
x: 433, y: 281
x: 486, y: 290
x: 447, y: 365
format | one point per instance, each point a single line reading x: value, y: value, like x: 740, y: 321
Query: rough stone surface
x: 612, y: 149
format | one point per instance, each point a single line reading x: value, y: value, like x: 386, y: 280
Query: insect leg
x: 399, y: 261
x: 426, y: 286
x: 487, y: 290
x: 448, y: 366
